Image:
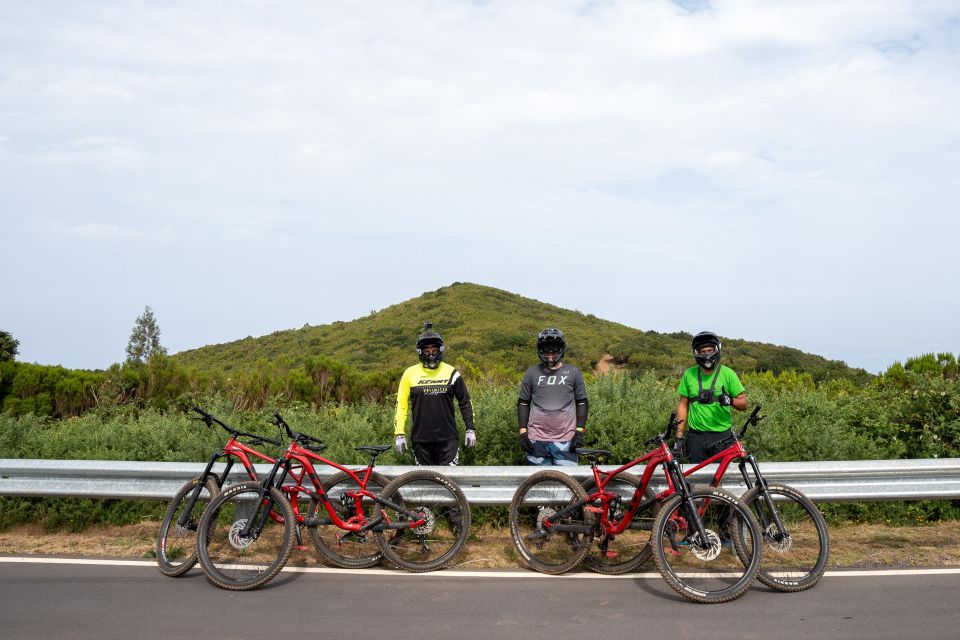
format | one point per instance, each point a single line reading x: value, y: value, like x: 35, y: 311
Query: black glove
x: 680, y: 448
x: 525, y: 443
x: 577, y: 440
x: 725, y: 399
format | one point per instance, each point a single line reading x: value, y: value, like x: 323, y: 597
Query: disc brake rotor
x: 777, y: 546
x: 238, y: 541
x: 430, y: 521
x: 710, y: 552
x: 543, y: 514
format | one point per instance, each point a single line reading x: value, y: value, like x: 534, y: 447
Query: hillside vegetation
x: 491, y: 334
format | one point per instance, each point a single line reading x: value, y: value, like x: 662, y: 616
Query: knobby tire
x: 629, y: 550
x: 540, y: 496
x: 233, y: 562
x: 797, y: 562
x: 433, y: 545
x: 721, y: 571
x: 341, y: 548
x: 177, y: 545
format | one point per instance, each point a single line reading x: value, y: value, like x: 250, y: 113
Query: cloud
x: 328, y: 130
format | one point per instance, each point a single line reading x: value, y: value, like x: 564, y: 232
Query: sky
x: 787, y: 172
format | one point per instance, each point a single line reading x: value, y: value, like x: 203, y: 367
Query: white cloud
x: 344, y: 130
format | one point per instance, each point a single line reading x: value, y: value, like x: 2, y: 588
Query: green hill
x: 492, y: 333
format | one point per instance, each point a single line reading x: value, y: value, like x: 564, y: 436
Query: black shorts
x: 698, y: 444
x: 436, y: 453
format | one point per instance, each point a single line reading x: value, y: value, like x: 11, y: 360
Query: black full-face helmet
x: 427, y: 338
x: 550, y: 346
x: 706, y: 357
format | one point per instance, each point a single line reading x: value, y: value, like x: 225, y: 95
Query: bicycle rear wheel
x: 559, y: 544
x: 794, y: 559
x: 424, y: 495
x: 176, y: 542
x: 338, y: 547
x: 627, y: 551
x: 237, y: 562
x: 713, y: 569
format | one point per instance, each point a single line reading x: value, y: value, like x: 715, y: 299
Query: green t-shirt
x: 709, y: 417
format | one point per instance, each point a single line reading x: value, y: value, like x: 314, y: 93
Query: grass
x: 490, y: 547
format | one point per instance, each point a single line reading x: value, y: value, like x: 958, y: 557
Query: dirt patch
x: 606, y: 364
x: 935, y: 545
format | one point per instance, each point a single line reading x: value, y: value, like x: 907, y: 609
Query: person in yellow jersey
x: 428, y: 390
x: 707, y: 393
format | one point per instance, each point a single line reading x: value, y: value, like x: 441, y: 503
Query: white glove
x: 471, y: 439
x: 400, y: 444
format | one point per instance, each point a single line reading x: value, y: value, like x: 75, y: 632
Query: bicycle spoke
x: 177, y: 540
x: 233, y: 560
x: 535, y: 526
x: 795, y: 558
x: 709, y: 568
x: 625, y: 552
x: 342, y: 548
x: 439, y: 506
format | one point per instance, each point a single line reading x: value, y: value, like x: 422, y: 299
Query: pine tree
x: 144, y: 338
x: 8, y: 347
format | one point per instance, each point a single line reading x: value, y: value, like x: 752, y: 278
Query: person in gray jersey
x: 552, y: 408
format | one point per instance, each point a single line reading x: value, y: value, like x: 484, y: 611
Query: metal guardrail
x: 834, y: 481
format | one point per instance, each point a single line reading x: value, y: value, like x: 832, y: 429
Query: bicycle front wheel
x: 629, y: 550
x: 717, y: 567
x: 795, y: 557
x: 550, y: 532
x: 177, y: 540
x: 238, y: 562
x: 434, y: 499
x: 338, y: 547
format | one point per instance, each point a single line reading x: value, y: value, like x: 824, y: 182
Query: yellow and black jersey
x: 430, y: 393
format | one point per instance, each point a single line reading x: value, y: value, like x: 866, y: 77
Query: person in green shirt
x: 707, y: 392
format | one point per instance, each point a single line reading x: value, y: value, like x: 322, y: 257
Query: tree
x: 144, y: 338
x: 8, y: 347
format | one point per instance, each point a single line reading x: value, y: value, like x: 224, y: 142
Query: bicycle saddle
x: 593, y: 454
x: 373, y: 448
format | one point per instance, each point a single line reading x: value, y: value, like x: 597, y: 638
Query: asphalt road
x: 136, y: 602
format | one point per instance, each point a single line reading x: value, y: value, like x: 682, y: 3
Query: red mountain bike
x: 553, y: 522
x: 177, y: 540
x: 419, y: 521
x: 795, y: 536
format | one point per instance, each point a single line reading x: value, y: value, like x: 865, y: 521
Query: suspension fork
x: 693, y: 516
x: 765, y: 492
x: 264, y: 500
x: 195, y: 494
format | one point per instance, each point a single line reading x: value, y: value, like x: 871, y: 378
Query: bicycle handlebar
x: 209, y: 419
x: 660, y: 437
x: 301, y: 438
x: 754, y: 420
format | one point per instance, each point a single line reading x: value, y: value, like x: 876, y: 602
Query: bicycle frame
x: 661, y: 455
x: 233, y: 450
x: 737, y: 452
x: 297, y: 453
x: 297, y: 463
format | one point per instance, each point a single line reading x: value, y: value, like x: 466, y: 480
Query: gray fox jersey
x: 552, y: 394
